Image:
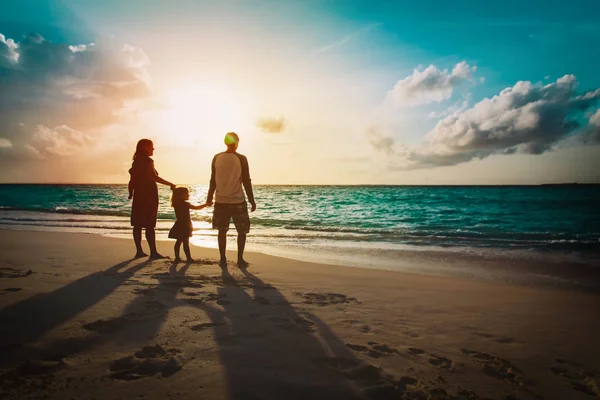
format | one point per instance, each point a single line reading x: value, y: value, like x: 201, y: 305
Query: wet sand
x: 80, y: 319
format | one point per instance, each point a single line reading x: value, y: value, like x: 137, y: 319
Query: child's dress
x: 183, y: 226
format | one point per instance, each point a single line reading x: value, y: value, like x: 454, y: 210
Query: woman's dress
x: 144, y: 209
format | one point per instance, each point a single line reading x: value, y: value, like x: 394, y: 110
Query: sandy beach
x: 81, y: 320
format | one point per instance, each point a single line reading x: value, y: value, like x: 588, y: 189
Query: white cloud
x: 454, y: 109
x: 430, y: 85
x: 5, y: 143
x: 526, y: 118
x: 59, y: 141
x: 78, y: 87
x: 380, y: 141
x: 595, y: 118
x: 8, y: 54
x: 593, y: 134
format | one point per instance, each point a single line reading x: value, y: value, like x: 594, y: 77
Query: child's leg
x: 186, y: 249
x: 176, y: 248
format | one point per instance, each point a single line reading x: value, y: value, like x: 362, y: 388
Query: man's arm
x: 213, y: 183
x: 247, y: 182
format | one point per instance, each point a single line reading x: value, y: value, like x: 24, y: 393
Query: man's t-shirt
x: 229, y: 172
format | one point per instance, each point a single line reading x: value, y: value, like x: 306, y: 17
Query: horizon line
x: 328, y: 184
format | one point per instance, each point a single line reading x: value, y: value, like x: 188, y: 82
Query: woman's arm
x: 199, y: 207
x: 158, y: 179
x: 154, y: 176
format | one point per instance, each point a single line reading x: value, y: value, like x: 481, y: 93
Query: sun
x: 203, y: 112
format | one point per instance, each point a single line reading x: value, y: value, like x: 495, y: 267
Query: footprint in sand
x: 358, y: 325
x: 201, y: 297
x: 12, y: 289
x: 415, y: 350
x: 300, y: 320
x: 580, y: 378
x: 111, y: 325
x: 8, y: 272
x: 384, y: 348
x: 441, y: 362
x: 375, y: 350
x: 497, y: 367
x: 357, y: 347
x: 168, y: 280
x: 35, y: 374
x: 150, y: 360
x: 376, y: 384
x: 149, y: 291
x: 326, y: 299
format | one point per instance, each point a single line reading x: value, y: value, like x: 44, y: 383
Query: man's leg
x: 222, y: 239
x: 241, y: 241
x: 241, y: 219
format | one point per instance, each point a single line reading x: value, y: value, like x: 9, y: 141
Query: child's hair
x: 178, y: 195
x: 141, y: 147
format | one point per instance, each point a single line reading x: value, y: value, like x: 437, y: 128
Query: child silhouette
x: 182, y: 229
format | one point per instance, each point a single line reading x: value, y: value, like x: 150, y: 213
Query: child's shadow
x: 151, y: 308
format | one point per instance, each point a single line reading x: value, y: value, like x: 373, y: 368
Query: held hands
x: 198, y: 207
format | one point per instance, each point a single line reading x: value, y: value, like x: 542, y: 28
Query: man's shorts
x: 224, y: 212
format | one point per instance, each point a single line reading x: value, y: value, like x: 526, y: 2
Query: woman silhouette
x: 143, y: 189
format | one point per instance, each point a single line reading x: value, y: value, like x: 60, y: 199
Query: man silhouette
x: 229, y: 171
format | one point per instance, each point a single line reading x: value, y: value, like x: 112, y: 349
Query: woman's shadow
x: 27, y: 321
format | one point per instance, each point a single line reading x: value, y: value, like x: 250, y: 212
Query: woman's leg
x: 186, y: 249
x: 151, y: 238
x: 176, y: 248
x: 137, y: 239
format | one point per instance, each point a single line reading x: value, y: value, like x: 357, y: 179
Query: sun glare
x: 202, y: 113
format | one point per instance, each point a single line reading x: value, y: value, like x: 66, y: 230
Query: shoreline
x: 89, y: 322
x: 537, y: 269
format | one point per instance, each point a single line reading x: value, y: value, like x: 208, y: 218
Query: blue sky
x: 381, y: 92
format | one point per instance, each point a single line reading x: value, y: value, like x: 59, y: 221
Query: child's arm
x: 200, y: 207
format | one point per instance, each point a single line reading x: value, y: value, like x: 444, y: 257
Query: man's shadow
x: 270, y: 349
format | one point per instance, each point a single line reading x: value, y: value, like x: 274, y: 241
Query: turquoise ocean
x: 371, y: 226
